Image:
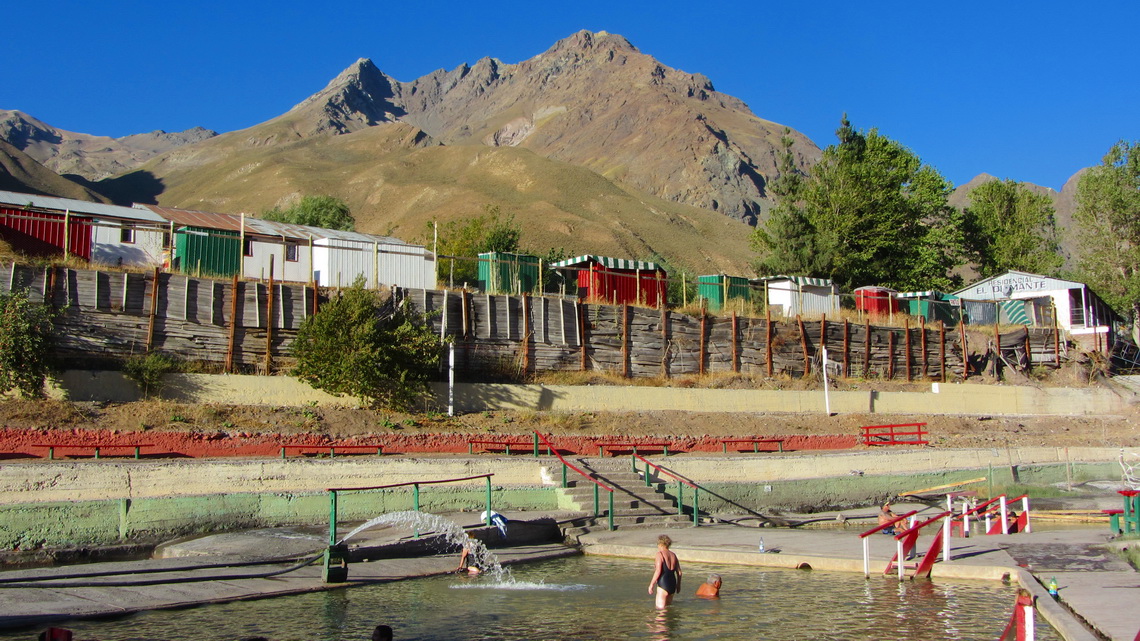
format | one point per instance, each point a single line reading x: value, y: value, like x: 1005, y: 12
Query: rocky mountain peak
x: 587, y: 41
x: 358, y: 97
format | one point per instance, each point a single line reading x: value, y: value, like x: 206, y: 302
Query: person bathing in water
x: 465, y: 564
x: 711, y: 588
x: 666, y: 579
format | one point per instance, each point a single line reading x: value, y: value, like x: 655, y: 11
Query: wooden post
x: 768, y: 338
x: 269, y: 321
x: 664, y: 342
x: 906, y: 349
x: 581, y: 333
x: 823, y: 331
x: 997, y: 346
x: 1028, y: 351
x: 803, y: 345
x: 1056, y: 341
x: 701, y: 354
x: 49, y: 290
x: 965, y: 350
x: 316, y: 297
x: 525, y: 332
x: 233, y: 324
x: 942, y: 351
x: 922, y: 328
x: 867, y: 349
x: 890, y: 353
x: 153, y: 310
x: 466, y: 309
x: 625, y: 340
x: 846, y: 347
x: 735, y: 361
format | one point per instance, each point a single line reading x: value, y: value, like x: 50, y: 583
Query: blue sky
x: 1026, y: 90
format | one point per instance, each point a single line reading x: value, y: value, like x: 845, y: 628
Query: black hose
x: 191, y: 568
x: 44, y: 582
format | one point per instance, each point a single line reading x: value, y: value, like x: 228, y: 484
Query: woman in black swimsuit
x: 666, y: 579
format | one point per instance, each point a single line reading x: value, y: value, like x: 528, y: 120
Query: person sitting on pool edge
x: 710, y: 589
x: 666, y: 579
x: 465, y: 564
x: 886, y: 516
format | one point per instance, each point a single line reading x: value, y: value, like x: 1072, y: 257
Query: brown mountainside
x: 21, y: 173
x: 592, y: 100
x: 91, y: 157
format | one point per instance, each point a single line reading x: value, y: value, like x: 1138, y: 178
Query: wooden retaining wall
x: 517, y: 335
x: 114, y: 315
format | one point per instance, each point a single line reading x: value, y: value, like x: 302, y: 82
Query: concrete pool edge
x: 1060, y: 618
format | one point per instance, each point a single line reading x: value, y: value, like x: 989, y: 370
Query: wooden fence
x: 107, y: 316
x: 523, y: 334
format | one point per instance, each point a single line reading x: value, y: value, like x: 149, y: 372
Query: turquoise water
x: 596, y: 598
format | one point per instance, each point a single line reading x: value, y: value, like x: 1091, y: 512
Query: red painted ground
x: 18, y: 443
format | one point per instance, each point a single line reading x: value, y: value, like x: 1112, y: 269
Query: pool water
x: 599, y: 598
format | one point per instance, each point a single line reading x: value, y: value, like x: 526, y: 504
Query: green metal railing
x: 681, y: 483
x: 597, y: 484
x: 334, y: 492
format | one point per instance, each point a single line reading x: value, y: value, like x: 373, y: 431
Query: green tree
x: 1107, y: 218
x: 328, y: 212
x: 786, y: 243
x: 461, y: 241
x: 1010, y: 227
x: 870, y: 212
x: 26, y: 342
x: 383, y: 354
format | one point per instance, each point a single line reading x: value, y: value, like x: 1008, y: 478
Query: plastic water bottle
x: 762, y: 550
x: 1053, y: 588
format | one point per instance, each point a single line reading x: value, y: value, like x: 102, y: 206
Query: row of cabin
x: 212, y: 244
x: 209, y: 244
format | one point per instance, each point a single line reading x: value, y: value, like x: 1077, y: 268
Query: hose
x: 52, y: 581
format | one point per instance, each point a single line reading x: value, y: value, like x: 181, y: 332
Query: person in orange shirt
x: 711, y: 588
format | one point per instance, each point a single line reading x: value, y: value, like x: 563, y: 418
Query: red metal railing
x: 681, y: 483
x: 878, y: 528
x: 597, y: 484
x: 907, y: 540
x: 886, y: 434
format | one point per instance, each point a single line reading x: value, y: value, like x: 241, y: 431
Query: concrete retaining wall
x: 71, y: 523
x: 948, y: 399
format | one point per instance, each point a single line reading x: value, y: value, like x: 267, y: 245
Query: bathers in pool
x: 668, y: 579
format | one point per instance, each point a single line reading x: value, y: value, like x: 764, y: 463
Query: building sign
x: 1009, y: 284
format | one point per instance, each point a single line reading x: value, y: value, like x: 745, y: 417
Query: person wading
x: 666, y: 579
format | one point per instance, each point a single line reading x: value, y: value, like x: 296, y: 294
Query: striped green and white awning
x: 608, y: 263
x: 800, y: 280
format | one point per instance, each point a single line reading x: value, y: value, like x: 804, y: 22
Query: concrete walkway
x: 1096, y: 585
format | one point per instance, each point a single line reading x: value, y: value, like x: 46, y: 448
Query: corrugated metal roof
x: 84, y: 207
x: 609, y: 263
x: 799, y: 280
x: 193, y: 218
x: 257, y: 226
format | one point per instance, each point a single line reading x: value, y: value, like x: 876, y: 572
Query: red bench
x: 631, y: 445
x: 889, y: 434
x: 754, y: 441
x: 506, y: 444
x: 97, y: 447
x: 333, y: 447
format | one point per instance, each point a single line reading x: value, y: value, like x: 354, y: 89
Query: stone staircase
x: 635, y: 504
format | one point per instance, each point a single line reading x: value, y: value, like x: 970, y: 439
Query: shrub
x: 149, y: 371
x: 26, y: 342
x: 355, y: 345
